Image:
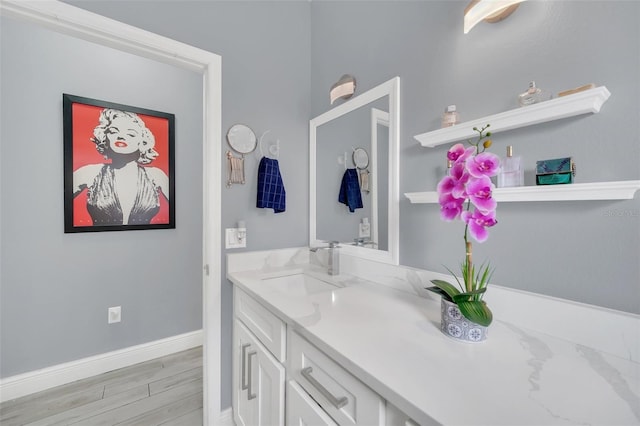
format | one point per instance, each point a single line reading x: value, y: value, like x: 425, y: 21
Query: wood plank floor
x: 164, y: 391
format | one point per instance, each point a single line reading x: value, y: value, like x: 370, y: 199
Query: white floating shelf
x: 620, y: 190
x: 589, y: 101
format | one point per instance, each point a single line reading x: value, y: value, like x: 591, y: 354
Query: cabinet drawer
x: 302, y: 410
x: 267, y: 327
x: 395, y: 417
x: 346, y: 399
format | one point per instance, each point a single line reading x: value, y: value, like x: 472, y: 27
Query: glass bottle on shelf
x: 511, y: 171
x: 450, y: 116
x: 533, y: 95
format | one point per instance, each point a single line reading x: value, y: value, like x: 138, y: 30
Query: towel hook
x: 344, y: 161
x: 274, y: 150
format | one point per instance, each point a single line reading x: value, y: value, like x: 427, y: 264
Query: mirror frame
x: 389, y: 88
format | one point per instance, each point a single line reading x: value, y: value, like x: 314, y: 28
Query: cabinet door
x: 244, y: 411
x: 304, y: 411
x: 258, y: 382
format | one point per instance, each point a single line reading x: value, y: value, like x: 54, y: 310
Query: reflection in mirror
x: 355, y: 145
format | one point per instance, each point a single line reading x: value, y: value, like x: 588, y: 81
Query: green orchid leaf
x: 476, y: 311
x: 441, y: 292
x: 468, y: 295
x: 462, y: 297
x: 486, y: 276
x: 456, y: 278
x: 448, y: 288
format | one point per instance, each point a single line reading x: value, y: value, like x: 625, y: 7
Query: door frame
x: 79, y: 23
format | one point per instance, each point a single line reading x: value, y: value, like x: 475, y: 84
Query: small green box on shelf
x: 555, y: 171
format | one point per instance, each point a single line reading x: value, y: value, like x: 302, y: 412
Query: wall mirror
x: 364, y: 127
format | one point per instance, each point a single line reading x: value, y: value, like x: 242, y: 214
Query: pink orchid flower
x: 478, y: 223
x: 450, y: 207
x: 479, y: 190
x: 455, y: 183
x: 458, y: 153
x: 483, y: 164
x: 455, y: 152
x: 446, y: 185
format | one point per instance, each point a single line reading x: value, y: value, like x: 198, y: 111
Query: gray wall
x: 56, y: 287
x: 265, y: 84
x: 584, y: 251
x: 279, y: 60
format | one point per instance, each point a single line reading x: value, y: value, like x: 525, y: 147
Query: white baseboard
x: 226, y: 418
x: 49, y: 377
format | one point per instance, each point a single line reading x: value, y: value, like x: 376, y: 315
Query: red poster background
x: 85, y: 118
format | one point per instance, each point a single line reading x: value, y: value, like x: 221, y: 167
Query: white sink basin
x: 298, y: 284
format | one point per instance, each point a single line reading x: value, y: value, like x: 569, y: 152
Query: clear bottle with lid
x: 450, y: 116
x: 511, y: 171
x: 533, y: 95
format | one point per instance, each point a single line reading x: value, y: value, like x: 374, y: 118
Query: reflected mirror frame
x: 389, y: 88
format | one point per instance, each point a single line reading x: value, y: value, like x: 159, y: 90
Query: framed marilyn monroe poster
x: 118, y: 167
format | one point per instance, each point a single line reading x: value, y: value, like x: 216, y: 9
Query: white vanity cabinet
x: 318, y: 390
x: 258, y: 376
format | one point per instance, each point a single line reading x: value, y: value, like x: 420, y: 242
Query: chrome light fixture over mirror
x: 362, y: 135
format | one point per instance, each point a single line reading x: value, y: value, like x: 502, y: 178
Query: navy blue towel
x: 271, y: 193
x: 350, y: 190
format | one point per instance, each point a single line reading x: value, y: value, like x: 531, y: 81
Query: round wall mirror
x: 242, y: 139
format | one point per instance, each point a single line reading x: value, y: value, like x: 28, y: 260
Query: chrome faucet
x: 333, y: 263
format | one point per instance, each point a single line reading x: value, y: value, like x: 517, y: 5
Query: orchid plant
x: 466, y: 194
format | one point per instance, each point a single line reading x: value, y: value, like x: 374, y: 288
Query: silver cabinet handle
x: 244, y: 372
x: 250, y: 394
x: 337, y: 402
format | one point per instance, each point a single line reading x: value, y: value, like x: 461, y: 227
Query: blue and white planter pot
x: 456, y: 326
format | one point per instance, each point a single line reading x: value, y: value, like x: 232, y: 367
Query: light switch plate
x: 232, y: 240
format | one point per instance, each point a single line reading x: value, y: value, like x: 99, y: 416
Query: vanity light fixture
x: 343, y: 88
x: 488, y: 10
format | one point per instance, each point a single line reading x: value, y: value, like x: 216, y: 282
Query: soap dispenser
x: 511, y: 171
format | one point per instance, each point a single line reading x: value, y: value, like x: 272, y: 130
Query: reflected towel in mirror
x: 364, y: 181
x: 350, y: 190
x: 271, y: 193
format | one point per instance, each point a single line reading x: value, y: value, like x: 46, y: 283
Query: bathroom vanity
x: 365, y: 348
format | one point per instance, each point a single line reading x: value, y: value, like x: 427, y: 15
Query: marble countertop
x: 392, y: 342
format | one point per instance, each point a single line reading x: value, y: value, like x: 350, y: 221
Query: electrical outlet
x: 115, y: 314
